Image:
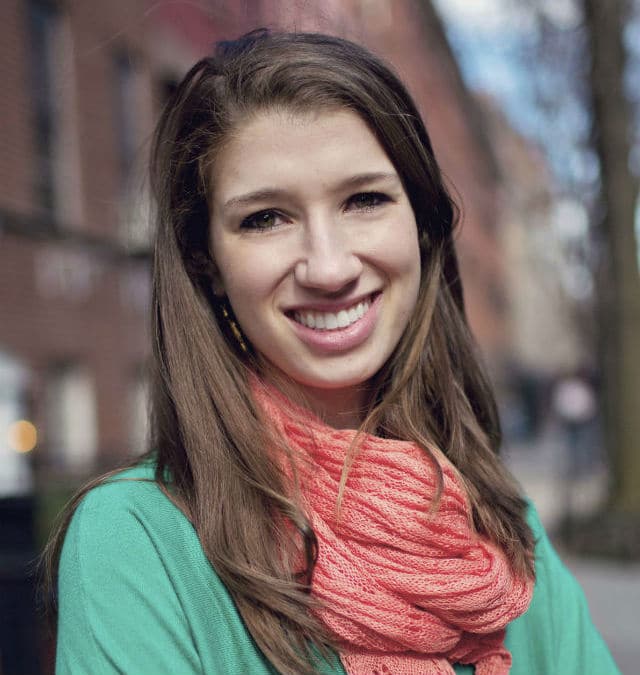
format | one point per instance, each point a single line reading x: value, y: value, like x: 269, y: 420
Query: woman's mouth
x: 340, y: 330
x: 332, y: 320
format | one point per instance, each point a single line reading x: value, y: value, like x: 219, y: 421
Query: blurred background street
x: 534, y: 112
x: 611, y: 585
x: 613, y: 593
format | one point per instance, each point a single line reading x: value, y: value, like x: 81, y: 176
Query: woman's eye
x: 263, y: 220
x: 367, y: 201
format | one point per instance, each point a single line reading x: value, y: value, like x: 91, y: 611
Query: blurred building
x: 84, y: 83
x: 548, y: 329
x: 544, y: 315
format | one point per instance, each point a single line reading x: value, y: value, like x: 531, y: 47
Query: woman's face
x: 317, y: 249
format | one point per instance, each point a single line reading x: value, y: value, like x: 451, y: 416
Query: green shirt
x: 139, y: 597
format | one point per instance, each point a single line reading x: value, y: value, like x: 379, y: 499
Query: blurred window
x: 15, y: 473
x: 71, y: 418
x: 139, y: 411
x: 43, y: 18
x: 125, y: 100
x: 135, y: 287
x: 133, y: 119
x: 58, y: 182
x: 496, y: 293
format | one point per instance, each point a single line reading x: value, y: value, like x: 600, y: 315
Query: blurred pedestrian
x: 574, y: 403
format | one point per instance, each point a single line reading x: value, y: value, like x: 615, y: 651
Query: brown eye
x: 367, y: 201
x: 263, y: 220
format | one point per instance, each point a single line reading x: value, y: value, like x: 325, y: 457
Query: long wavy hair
x: 207, y: 437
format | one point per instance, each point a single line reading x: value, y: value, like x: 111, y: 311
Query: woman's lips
x: 337, y: 331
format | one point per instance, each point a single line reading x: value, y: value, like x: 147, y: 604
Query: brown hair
x: 207, y: 436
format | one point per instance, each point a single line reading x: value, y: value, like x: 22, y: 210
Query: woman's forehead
x: 287, y: 146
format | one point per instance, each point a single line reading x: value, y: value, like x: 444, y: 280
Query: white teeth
x: 343, y: 319
x: 331, y: 321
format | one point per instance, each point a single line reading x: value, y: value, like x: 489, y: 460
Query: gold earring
x: 233, y: 326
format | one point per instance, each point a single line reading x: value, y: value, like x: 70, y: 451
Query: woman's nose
x: 329, y: 261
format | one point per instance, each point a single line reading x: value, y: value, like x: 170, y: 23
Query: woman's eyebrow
x: 265, y: 194
x: 365, y: 178
x: 271, y: 193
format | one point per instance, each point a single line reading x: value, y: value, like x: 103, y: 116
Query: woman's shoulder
x: 130, y: 579
x: 131, y: 492
x: 124, y: 488
x: 137, y: 592
x: 127, y: 509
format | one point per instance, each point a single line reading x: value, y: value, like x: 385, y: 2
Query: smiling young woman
x: 323, y: 491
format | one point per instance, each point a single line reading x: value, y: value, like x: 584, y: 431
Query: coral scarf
x: 403, y: 590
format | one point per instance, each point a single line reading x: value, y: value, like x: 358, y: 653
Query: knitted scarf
x: 404, y: 590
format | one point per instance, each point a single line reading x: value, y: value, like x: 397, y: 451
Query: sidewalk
x: 612, y: 588
x: 613, y: 593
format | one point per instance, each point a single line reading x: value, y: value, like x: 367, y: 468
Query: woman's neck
x: 341, y: 408
x: 338, y: 408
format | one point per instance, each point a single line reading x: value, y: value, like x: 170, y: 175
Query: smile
x: 332, y: 320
